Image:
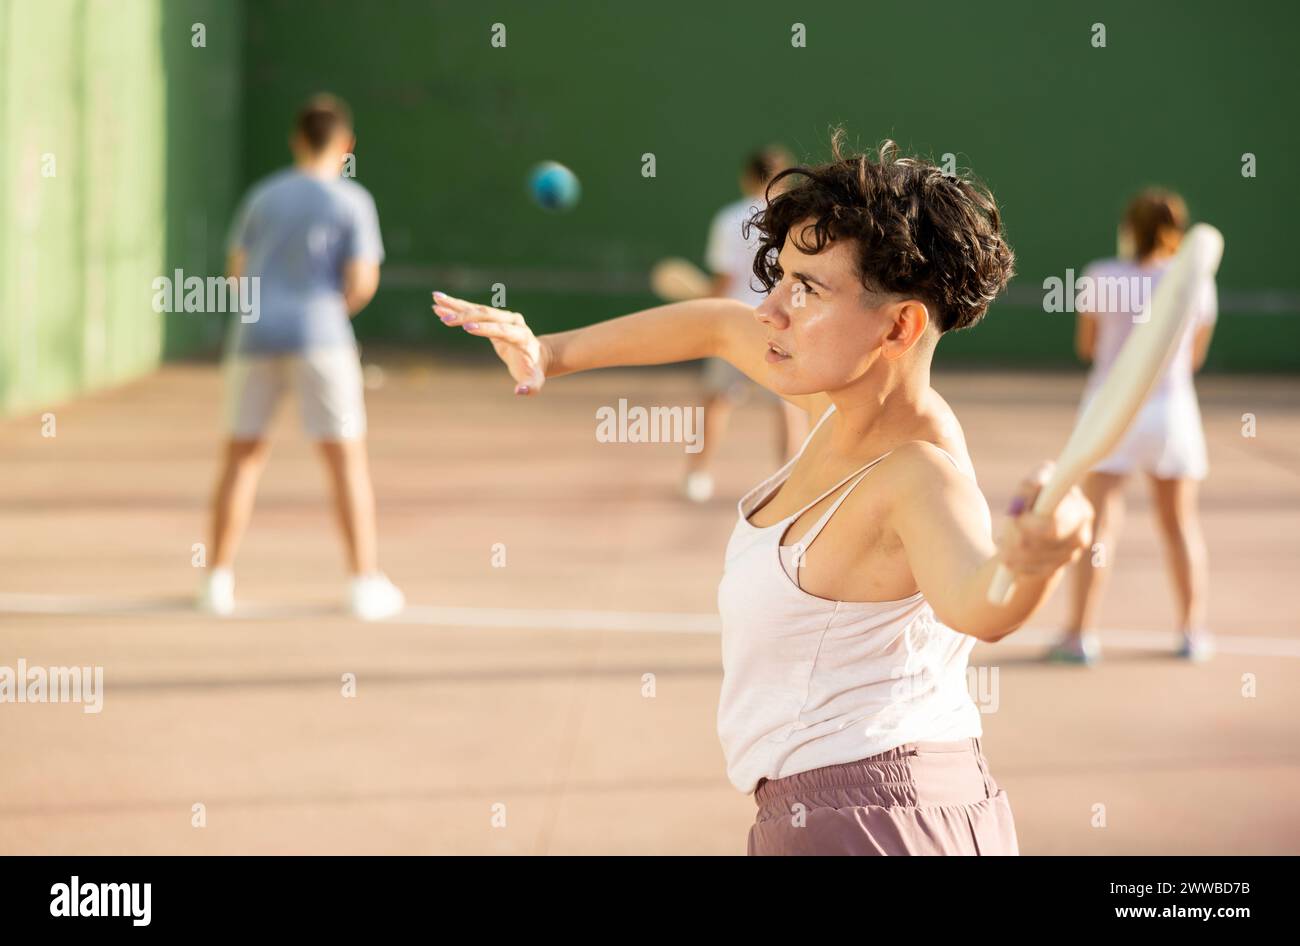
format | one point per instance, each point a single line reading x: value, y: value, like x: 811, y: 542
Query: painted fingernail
x: 439, y: 295
x: 522, y: 389
x: 1017, y: 506
x: 471, y: 325
x: 447, y: 319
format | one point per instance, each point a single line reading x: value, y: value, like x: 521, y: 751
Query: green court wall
x: 119, y: 157
x: 153, y: 139
x: 1063, y: 131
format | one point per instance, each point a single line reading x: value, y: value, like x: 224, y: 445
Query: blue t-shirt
x: 298, y: 232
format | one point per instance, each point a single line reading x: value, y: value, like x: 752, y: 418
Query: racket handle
x: 1052, y: 492
x: 1000, y: 588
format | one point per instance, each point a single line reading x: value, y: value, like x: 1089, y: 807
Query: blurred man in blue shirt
x: 311, y: 240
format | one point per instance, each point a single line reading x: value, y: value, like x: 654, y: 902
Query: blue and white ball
x: 554, y: 186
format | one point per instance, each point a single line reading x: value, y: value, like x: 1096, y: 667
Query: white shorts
x: 327, y: 382
x: 1166, y: 440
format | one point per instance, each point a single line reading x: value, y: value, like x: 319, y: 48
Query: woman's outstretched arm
x: 682, y: 331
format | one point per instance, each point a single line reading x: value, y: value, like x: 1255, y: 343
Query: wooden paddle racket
x: 678, y: 280
x: 1138, y: 366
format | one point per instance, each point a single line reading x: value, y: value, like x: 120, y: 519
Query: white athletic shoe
x: 698, y: 486
x: 1197, y: 646
x: 1085, y: 650
x: 217, y: 592
x: 374, y: 597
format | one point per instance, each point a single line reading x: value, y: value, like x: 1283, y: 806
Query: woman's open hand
x: 524, y: 354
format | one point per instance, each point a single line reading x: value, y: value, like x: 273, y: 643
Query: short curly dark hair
x: 919, y: 231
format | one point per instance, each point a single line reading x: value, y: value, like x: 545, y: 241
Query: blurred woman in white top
x: 730, y: 257
x: 1166, y: 441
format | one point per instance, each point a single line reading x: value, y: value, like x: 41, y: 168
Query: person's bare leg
x: 232, y: 503
x: 1185, y: 553
x: 717, y: 415
x: 792, y: 429
x: 354, y: 501
x: 372, y: 596
x: 699, y: 481
x: 1106, y: 493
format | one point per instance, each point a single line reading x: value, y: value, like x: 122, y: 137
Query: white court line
x: 547, y: 619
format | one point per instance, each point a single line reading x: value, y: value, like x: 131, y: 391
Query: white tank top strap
x: 816, y: 427
x: 810, y: 536
x: 764, y: 490
x: 951, y: 458
x: 812, y: 433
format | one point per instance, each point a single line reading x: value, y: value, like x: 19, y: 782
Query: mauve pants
x: 920, y: 798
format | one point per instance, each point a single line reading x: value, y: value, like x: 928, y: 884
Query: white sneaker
x: 1196, y: 646
x: 374, y: 597
x: 1083, y: 649
x: 699, y: 486
x: 217, y: 592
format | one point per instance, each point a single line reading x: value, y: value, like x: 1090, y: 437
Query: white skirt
x: 1166, y: 439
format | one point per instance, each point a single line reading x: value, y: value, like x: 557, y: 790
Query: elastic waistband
x: 892, y: 768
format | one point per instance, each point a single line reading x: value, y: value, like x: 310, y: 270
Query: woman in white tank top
x: 1166, y: 441
x: 856, y: 581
